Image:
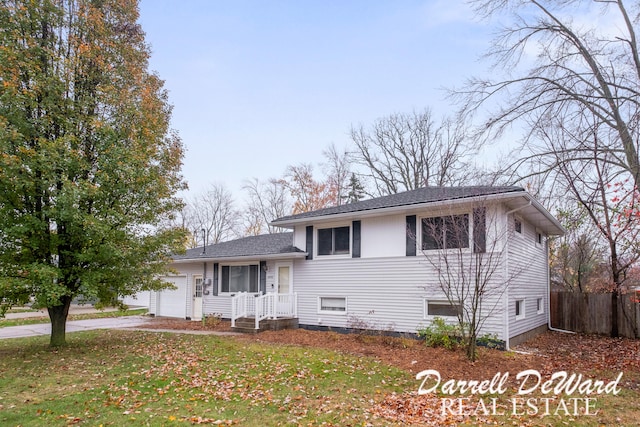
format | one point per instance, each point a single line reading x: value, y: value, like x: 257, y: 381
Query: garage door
x: 173, y: 302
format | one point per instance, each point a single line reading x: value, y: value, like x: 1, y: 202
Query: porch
x: 271, y: 311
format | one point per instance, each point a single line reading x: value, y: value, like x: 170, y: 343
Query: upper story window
x: 333, y: 241
x: 517, y: 225
x: 445, y: 232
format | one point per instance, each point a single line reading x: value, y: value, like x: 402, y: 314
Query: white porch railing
x: 267, y: 306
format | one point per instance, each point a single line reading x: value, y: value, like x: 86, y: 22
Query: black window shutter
x: 263, y: 277
x: 355, y: 249
x: 479, y: 230
x: 215, y: 279
x: 309, y: 247
x: 411, y: 235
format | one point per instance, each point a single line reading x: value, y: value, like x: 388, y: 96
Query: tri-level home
x: 388, y: 263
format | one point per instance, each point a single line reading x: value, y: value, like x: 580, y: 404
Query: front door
x: 283, y: 278
x: 284, y: 284
x: 197, y: 298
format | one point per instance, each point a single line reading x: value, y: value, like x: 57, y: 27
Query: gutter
x: 285, y: 255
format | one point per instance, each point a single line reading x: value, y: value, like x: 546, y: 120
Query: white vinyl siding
x: 388, y: 293
x: 221, y: 304
x: 528, y: 269
x: 383, y: 236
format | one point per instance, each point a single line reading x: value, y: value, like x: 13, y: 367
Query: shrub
x: 440, y: 334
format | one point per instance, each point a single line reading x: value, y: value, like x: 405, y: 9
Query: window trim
x: 316, y: 248
x: 470, y: 231
x: 540, y: 305
x: 334, y: 312
x: 237, y: 264
x: 539, y: 238
x: 437, y: 301
x: 522, y: 303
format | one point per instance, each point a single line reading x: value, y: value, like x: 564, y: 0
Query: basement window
x: 441, y: 309
x: 332, y: 305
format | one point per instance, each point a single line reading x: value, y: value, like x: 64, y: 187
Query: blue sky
x: 259, y: 85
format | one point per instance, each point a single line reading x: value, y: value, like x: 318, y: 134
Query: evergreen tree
x: 356, y: 190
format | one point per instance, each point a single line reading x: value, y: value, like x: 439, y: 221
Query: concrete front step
x: 247, y: 324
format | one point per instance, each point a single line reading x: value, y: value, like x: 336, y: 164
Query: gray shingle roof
x: 265, y: 244
x: 407, y: 198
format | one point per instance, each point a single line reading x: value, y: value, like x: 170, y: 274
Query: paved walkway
x: 74, y: 309
x: 74, y: 326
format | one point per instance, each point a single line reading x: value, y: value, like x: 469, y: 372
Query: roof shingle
x: 265, y: 244
x: 412, y: 197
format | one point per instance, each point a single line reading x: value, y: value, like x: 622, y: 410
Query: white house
x: 376, y: 262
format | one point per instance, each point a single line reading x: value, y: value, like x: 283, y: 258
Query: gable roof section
x: 422, y: 197
x: 262, y: 246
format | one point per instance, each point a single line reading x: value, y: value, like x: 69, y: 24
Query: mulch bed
x: 547, y: 353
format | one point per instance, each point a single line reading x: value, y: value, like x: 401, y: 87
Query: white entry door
x: 197, y: 298
x: 283, y: 278
x: 284, y: 285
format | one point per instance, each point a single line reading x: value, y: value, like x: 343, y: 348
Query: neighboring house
x: 141, y: 299
x: 372, y: 263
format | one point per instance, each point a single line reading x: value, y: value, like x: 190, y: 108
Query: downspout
x: 204, y: 287
x: 506, y: 274
x: 549, y: 295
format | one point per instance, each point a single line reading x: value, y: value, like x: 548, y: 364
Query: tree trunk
x: 58, y: 315
x: 614, y: 313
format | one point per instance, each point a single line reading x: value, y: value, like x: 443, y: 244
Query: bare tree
x: 575, y: 258
x: 337, y: 168
x: 407, y: 151
x: 212, y: 211
x: 573, y: 69
x: 607, y: 194
x: 472, y: 279
x: 266, y: 201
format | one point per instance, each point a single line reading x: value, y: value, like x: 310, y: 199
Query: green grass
x: 139, y: 378
x: 45, y: 319
x: 145, y: 378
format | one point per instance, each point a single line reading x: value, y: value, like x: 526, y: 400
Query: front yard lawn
x: 286, y: 378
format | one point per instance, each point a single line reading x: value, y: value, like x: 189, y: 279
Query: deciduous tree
x: 266, y: 201
x: 471, y: 279
x: 89, y: 168
x: 308, y: 193
x: 212, y: 211
x: 557, y: 64
x: 403, y: 152
x: 337, y: 168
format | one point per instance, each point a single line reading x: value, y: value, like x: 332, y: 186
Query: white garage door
x: 173, y: 302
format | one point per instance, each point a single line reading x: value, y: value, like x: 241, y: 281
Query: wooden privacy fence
x: 591, y: 313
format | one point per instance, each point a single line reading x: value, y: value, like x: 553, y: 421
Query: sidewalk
x: 74, y: 309
x: 73, y: 326
x: 44, y: 328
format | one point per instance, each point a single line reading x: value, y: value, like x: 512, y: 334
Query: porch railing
x: 267, y: 306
